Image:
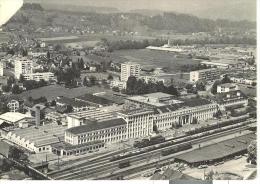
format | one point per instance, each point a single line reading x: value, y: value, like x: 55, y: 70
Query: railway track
x: 92, y: 170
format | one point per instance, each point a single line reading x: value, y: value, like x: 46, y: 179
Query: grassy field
x: 148, y: 58
x: 53, y: 91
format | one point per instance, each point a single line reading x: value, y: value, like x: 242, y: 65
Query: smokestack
x: 38, y: 116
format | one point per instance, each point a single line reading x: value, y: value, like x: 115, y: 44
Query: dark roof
x: 218, y: 150
x: 193, y: 102
x: 95, y: 99
x: 232, y: 95
x: 72, y: 102
x: 97, y: 125
x: 170, y: 174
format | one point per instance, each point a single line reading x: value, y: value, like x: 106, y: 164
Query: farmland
x: 53, y: 91
x: 152, y: 59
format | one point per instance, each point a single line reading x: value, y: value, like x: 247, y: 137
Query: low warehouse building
x: 217, y: 152
x: 37, y: 139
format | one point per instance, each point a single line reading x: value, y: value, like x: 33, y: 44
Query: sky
x: 213, y: 9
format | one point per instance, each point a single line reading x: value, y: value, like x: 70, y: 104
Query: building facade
x: 13, y: 106
x: 206, y: 74
x: 139, y: 122
x: 223, y: 88
x: 130, y: 69
x: 23, y: 66
x: 46, y: 76
x: 108, y: 131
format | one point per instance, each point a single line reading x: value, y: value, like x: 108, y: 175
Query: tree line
x: 139, y: 87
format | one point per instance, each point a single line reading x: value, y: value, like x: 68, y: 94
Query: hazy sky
x: 229, y: 9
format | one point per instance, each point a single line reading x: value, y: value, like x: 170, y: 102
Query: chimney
x: 38, y: 116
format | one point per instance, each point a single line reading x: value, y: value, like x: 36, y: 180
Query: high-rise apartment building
x: 23, y: 66
x: 129, y: 69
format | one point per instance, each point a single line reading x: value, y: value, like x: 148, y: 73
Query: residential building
x: 231, y: 99
x: 130, y: 69
x: 2, y: 67
x: 23, y: 66
x: 120, y: 84
x: 77, y: 105
x: 13, y: 105
x: 223, y: 88
x: 210, y: 74
x: 46, y: 76
x: 240, y: 80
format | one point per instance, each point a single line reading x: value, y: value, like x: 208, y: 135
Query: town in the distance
x: 101, y: 94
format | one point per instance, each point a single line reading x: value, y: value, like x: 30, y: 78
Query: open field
x: 152, y: 59
x: 53, y: 91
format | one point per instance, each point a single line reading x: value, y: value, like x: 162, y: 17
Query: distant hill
x: 101, y: 19
x: 81, y: 9
x: 147, y: 12
x: 32, y: 6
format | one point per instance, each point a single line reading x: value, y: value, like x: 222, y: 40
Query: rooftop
x: 193, y: 102
x: 13, y: 117
x: 97, y: 125
x: 72, y: 102
x: 95, y: 99
x: 158, y: 95
x: 218, y: 150
x: 136, y: 111
x: 227, y: 85
x: 42, y: 135
x: 231, y: 95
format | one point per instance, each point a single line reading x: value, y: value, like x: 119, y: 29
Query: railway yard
x: 133, y: 163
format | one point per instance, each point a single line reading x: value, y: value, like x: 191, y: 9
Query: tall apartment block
x: 129, y: 69
x: 23, y: 66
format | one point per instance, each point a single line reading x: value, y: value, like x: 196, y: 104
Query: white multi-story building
x: 210, y: 74
x: 130, y: 69
x: 139, y: 122
x: 223, y: 88
x: 2, y: 67
x: 231, y: 99
x: 23, y: 66
x: 47, y: 76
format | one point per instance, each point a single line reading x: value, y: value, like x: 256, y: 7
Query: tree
x: 92, y: 80
x: 85, y: 81
x: 252, y: 152
x: 115, y: 89
x: 14, y: 153
x: 21, y: 79
x: 226, y: 79
x: 110, y: 77
x: 6, y: 88
x: 214, y: 87
x: 16, y: 89
x: 48, y: 55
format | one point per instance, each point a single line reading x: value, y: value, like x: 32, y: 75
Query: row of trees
x: 138, y: 87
